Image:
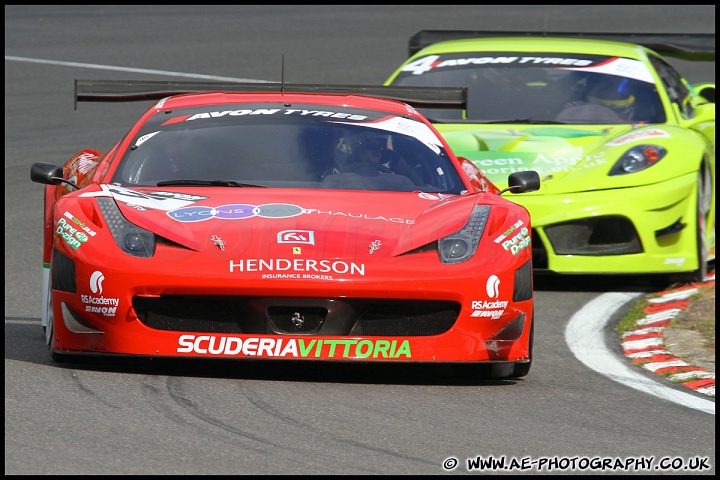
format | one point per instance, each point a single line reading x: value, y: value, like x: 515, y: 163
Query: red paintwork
x: 344, y: 223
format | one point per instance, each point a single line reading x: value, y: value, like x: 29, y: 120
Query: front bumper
x: 649, y: 229
x: 406, y: 319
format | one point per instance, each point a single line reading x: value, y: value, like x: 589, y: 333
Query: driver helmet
x: 614, y: 93
x: 353, y: 149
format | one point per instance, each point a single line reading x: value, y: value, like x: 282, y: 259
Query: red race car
x: 285, y: 222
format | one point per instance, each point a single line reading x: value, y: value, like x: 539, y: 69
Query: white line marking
x: 23, y: 322
x: 134, y: 70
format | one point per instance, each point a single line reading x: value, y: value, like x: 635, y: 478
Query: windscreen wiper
x: 209, y: 183
x: 528, y: 121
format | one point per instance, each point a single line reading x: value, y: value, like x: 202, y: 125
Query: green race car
x: 624, y: 145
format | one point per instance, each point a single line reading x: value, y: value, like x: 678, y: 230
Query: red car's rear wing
x: 132, y: 90
x: 685, y: 46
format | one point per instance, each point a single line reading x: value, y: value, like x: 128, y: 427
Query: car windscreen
x: 278, y: 146
x: 515, y: 87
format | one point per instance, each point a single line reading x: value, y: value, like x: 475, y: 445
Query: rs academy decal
x: 492, y: 309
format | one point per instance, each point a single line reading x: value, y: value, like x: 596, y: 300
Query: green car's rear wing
x: 685, y: 46
x: 132, y: 90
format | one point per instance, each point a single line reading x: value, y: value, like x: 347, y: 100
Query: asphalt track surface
x: 265, y: 418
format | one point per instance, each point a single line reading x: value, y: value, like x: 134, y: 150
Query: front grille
x: 428, y: 318
x: 611, y: 235
x: 297, y: 316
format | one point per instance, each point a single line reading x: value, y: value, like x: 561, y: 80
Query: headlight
x: 461, y: 245
x: 132, y: 239
x: 638, y: 158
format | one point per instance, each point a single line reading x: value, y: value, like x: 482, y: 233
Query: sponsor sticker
x: 293, y: 347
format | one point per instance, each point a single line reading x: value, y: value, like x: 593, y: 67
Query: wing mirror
x: 522, y: 182
x: 48, y: 174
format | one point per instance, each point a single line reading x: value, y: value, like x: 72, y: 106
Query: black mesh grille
x: 388, y: 320
x: 195, y: 314
x: 297, y: 316
x: 611, y: 235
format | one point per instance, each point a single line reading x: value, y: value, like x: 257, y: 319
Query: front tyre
x: 522, y: 369
x: 702, y: 219
x: 50, y: 327
x: 516, y: 370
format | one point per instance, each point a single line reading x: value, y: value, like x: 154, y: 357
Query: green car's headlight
x: 638, y: 158
x: 461, y: 245
x: 132, y: 239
